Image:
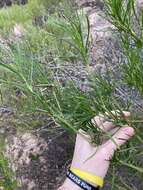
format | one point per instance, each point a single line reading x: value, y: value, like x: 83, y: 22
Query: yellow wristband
x: 89, y: 177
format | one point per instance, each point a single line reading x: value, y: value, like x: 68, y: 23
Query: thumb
x: 119, y: 138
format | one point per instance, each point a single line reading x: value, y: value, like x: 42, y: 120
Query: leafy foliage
x: 127, y: 19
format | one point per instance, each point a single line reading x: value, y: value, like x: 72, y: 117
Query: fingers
x: 103, y: 122
x: 119, y: 138
x: 98, y: 120
x: 118, y: 113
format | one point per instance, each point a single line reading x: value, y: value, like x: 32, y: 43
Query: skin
x: 96, y: 159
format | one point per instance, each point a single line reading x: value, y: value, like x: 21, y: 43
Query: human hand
x: 96, y: 159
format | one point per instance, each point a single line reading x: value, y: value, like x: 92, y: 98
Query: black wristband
x: 80, y: 182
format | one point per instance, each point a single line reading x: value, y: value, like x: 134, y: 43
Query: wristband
x: 88, y: 177
x: 80, y: 182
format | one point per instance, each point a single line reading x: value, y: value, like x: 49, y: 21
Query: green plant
x: 127, y: 20
x: 16, y: 14
x: 7, y: 180
x: 46, y: 88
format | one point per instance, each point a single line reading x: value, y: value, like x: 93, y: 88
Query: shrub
x: 46, y: 87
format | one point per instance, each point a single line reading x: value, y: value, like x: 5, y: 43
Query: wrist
x: 69, y: 185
